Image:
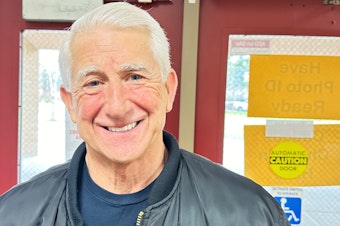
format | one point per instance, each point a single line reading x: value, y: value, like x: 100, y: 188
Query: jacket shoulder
x: 39, y: 195
x: 41, y: 183
x: 222, y: 191
x: 205, y: 170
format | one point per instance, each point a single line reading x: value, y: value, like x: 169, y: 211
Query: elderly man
x: 118, y: 85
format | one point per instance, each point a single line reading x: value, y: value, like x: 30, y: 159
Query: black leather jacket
x: 191, y: 191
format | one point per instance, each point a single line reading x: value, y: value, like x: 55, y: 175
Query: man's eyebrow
x: 123, y: 68
x: 133, y: 67
x: 89, y: 70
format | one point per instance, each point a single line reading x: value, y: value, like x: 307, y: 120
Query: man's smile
x: 124, y: 128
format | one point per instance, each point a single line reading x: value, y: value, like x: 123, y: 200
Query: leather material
x: 191, y: 191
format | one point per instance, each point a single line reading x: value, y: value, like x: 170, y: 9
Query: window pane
x: 46, y: 135
x: 320, y: 204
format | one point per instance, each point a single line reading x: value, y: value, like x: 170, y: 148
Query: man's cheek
x: 87, y: 109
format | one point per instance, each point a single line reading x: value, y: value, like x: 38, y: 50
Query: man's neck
x: 125, y: 178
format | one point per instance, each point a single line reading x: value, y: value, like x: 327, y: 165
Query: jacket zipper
x: 140, y: 218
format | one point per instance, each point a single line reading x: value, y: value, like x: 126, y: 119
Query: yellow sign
x: 276, y: 161
x: 288, y: 159
x: 290, y: 86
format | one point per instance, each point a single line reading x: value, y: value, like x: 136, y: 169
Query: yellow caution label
x: 288, y: 159
x: 284, y: 161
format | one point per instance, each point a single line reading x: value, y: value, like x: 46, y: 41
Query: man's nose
x: 117, y: 103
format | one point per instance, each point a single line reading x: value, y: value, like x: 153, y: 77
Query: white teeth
x: 122, y: 129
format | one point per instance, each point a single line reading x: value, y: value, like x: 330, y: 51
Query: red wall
x: 11, y: 24
x: 218, y: 19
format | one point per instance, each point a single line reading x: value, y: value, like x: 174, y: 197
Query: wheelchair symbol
x: 291, y: 215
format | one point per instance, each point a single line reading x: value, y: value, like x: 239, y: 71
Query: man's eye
x: 93, y: 87
x: 135, y: 77
x: 93, y: 83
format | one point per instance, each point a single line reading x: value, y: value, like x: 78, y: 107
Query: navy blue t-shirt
x: 99, y: 207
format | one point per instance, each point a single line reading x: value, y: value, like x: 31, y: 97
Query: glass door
x: 253, y: 137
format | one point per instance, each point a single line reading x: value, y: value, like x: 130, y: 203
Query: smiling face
x: 118, y: 100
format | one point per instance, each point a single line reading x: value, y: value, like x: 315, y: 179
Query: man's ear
x: 68, y: 101
x: 171, y: 86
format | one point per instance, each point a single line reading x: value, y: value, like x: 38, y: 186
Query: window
x: 320, y: 204
x: 46, y: 135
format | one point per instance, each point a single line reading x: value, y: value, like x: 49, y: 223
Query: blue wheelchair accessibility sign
x: 291, y: 207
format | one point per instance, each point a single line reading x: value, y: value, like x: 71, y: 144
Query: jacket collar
x: 161, y: 188
x: 166, y: 180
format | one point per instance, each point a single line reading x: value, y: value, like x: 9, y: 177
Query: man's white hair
x: 123, y: 15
